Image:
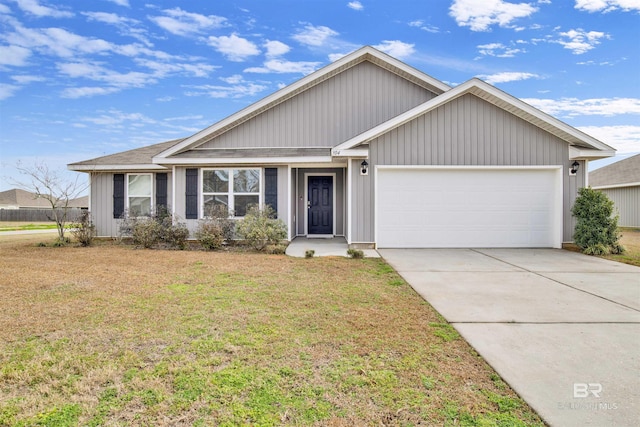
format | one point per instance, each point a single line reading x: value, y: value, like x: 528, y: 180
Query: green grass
x: 25, y: 227
x: 166, y: 337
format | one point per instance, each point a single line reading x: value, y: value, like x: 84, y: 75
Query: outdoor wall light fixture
x: 574, y: 168
x: 364, y: 168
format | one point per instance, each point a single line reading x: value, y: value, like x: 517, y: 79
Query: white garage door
x: 468, y: 207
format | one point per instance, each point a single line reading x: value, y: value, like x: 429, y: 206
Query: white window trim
x: 127, y: 195
x: 230, y: 193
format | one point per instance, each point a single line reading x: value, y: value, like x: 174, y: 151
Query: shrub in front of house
x: 159, y: 229
x: 596, y: 231
x: 215, y: 229
x: 84, y: 230
x: 260, y: 228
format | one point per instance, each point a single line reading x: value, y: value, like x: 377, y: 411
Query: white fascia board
x: 110, y: 168
x: 308, y: 80
x: 626, y: 184
x: 246, y: 160
x: 353, y: 152
x: 577, y: 153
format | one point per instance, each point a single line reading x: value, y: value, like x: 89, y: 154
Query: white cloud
x: 498, y: 50
x: 57, y: 41
x: 124, y: 3
x: 571, y: 107
x: 419, y: 23
x: 506, y: 77
x: 127, y: 26
x: 355, y: 5
x: 276, y: 48
x: 481, y: 15
x: 314, y: 36
x: 26, y: 79
x: 14, y: 55
x: 607, y: 5
x: 233, y: 91
x: 113, y: 80
x: 85, y: 92
x: 181, y: 23
x: 235, y: 48
x: 579, y: 41
x: 7, y: 90
x: 282, y: 66
x: 624, y: 138
x: 35, y: 8
x: 396, y: 48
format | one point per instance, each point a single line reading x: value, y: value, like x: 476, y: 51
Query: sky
x: 82, y: 79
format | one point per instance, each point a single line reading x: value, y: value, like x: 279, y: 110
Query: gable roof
x: 585, y: 146
x: 366, y: 53
x: 138, y: 158
x: 623, y: 173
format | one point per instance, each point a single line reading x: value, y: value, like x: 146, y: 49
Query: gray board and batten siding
x: 328, y: 113
x: 467, y: 131
x: 102, y: 199
x: 627, y: 204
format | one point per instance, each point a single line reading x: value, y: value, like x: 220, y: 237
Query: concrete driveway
x: 562, y: 328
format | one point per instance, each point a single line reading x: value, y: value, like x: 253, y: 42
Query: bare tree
x: 51, y: 186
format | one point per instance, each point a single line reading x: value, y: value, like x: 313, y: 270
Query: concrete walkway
x: 562, y: 328
x: 336, y: 246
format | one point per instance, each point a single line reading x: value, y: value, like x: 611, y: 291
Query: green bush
x: 309, y: 253
x: 596, y: 231
x: 260, y: 228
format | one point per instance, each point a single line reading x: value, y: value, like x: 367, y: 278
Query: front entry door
x: 320, y: 205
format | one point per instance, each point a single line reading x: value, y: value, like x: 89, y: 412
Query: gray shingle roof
x: 623, y: 172
x: 137, y: 156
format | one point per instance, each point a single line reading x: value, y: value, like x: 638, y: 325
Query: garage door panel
x: 467, y: 208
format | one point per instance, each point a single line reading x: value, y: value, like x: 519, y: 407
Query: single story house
x: 620, y: 181
x: 17, y: 198
x: 371, y: 149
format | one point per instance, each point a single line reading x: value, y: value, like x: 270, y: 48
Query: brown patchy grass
x: 631, y: 242
x: 110, y: 335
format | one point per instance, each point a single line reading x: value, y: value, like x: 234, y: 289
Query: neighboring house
x: 21, y: 199
x: 371, y: 149
x: 620, y: 181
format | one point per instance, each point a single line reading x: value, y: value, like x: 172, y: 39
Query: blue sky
x: 84, y: 79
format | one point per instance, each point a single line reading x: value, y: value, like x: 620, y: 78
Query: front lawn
x: 631, y: 242
x: 111, y: 335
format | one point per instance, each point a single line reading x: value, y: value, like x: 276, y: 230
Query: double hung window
x: 237, y: 189
x: 139, y: 192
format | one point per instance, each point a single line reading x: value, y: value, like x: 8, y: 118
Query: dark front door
x: 320, y: 205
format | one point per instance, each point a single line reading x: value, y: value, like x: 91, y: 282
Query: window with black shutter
x: 191, y: 194
x: 161, y: 190
x: 271, y: 188
x: 118, y: 195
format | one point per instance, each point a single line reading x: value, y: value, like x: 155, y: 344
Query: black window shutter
x: 118, y: 195
x: 271, y: 188
x: 191, y: 194
x: 161, y: 190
